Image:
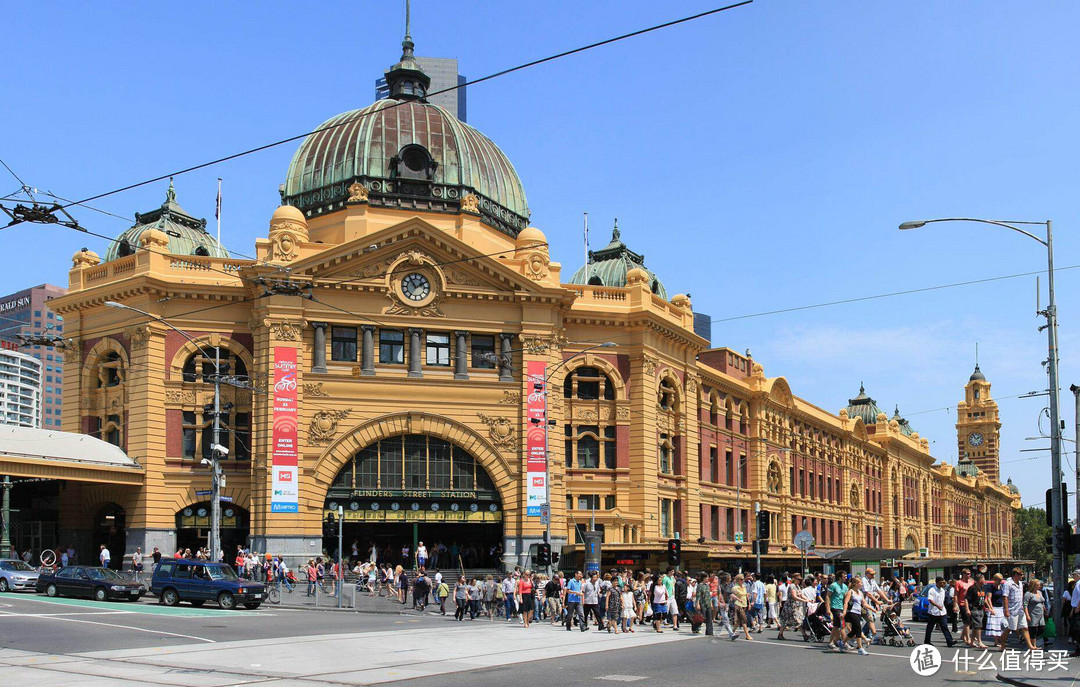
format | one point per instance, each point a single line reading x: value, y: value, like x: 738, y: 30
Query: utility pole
x: 215, y: 469
x: 5, y: 537
x: 340, y: 581
x: 1076, y: 426
x: 1059, y: 518
x: 757, y: 541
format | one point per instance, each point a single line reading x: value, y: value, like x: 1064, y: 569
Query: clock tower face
x: 975, y: 439
x: 415, y: 287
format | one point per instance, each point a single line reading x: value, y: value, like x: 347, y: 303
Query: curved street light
x: 215, y: 447
x: 1058, y: 516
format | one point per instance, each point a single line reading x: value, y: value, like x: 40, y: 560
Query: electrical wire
x: 463, y: 84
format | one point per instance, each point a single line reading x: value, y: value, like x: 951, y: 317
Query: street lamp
x: 216, y: 447
x: 1058, y: 518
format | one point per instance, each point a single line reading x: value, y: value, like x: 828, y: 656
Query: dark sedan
x: 100, y: 584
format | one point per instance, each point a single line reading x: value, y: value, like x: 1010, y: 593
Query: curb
x: 1014, y: 681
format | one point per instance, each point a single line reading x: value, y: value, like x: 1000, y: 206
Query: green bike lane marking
x: 134, y: 607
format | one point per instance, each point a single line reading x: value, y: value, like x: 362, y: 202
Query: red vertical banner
x: 536, y: 428
x: 285, y: 497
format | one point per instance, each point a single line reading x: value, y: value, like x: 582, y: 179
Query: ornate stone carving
x: 774, y: 478
x: 649, y: 363
x: 500, y: 431
x: 622, y: 413
x: 693, y: 383
x: 358, y: 193
x: 373, y: 270
x: 588, y: 415
x: 285, y: 246
x: 314, y: 389
x: 89, y: 403
x: 324, y: 424
x: 470, y: 203
x: 182, y: 396
x: 286, y: 331
x: 397, y: 307
x: 535, y: 266
x: 72, y: 351
x: 539, y: 345
x: 462, y: 278
x: 511, y: 398
x: 854, y: 496
x: 137, y: 337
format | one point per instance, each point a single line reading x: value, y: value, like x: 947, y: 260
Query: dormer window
x: 413, y: 162
x: 124, y: 249
x: 201, y: 251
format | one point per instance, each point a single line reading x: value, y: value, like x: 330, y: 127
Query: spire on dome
x: 407, y: 81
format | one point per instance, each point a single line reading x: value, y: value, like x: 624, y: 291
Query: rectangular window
x: 714, y: 512
x: 665, y: 517
x: 241, y: 435
x: 802, y: 482
x: 610, y: 449
x: 483, y: 351
x: 742, y: 471
x: 813, y: 484
x: 367, y: 468
x: 390, y: 463
x: 343, y: 344
x: 588, y: 448
x: 609, y: 502
x: 439, y: 465
x: 189, y: 434
x: 729, y: 468
x: 415, y: 462
x: 438, y: 349
x: 714, y: 466
x: 391, y: 347
x: 665, y: 454
x: 588, y: 502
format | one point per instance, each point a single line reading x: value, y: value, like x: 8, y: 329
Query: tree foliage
x: 1029, y: 537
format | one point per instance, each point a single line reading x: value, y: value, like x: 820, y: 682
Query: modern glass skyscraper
x: 444, y: 74
x: 26, y: 313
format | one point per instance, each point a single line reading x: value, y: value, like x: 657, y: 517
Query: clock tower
x: 978, y: 427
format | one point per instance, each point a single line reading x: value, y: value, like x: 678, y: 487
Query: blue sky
x: 761, y: 159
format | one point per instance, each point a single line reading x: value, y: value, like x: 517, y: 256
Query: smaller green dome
x: 187, y: 235
x: 863, y: 406
x: 905, y: 428
x: 609, y: 265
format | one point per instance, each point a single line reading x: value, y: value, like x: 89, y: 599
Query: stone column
x: 461, y: 362
x: 414, y: 352
x: 506, y: 371
x: 318, y: 357
x: 367, y: 351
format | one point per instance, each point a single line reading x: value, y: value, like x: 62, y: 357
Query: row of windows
x: 590, y: 502
x: 436, y: 345
x: 414, y: 461
x: 198, y: 434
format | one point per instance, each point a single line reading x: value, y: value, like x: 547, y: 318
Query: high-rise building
x: 20, y: 389
x: 26, y: 313
x: 444, y: 74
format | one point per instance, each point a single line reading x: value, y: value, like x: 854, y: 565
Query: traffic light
x: 761, y: 546
x: 674, y: 552
x: 763, y: 524
x: 329, y: 528
x: 543, y: 554
x: 554, y: 557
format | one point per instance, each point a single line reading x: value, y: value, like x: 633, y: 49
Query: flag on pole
x: 587, y: 248
x: 217, y: 211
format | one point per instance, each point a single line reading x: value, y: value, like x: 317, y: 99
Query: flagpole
x: 217, y: 211
x: 586, y: 247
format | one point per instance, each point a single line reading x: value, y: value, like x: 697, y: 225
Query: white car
x: 16, y: 575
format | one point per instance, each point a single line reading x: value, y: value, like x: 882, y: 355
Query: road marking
x: 145, y: 609
x: 121, y: 627
x: 622, y: 678
x: 54, y: 615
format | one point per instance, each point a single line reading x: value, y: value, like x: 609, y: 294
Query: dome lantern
x: 185, y: 235
x: 406, y: 80
x: 613, y: 264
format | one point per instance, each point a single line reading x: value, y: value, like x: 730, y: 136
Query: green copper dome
x: 905, y: 427
x: 609, y: 265
x: 187, y: 235
x: 863, y: 406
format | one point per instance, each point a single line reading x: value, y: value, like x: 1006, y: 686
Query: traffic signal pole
x: 757, y: 540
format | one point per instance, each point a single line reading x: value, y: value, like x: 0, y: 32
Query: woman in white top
x: 629, y: 607
x: 853, y: 607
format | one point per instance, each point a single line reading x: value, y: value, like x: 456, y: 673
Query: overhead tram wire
x: 472, y: 82
x: 906, y: 292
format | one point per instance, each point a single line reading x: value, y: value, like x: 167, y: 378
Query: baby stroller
x: 818, y: 625
x: 893, y: 632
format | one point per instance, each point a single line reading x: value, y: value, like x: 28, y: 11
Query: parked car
x: 179, y: 579
x: 100, y: 584
x: 920, y: 610
x: 16, y: 575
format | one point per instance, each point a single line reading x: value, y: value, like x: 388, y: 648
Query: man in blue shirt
x: 572, y: 598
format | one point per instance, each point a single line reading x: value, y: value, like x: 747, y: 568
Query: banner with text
x: 285, y: 466
x: 536, y: 428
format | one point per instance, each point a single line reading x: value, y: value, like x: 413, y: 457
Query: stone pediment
x: 378, y: 258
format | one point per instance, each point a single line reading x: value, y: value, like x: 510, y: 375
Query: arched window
x: 415, y: 463
x: 198, y: 418
x: 667, y: 395
x: 588, y: 384
x: 591, y: 439
x: 105, y: 375
x: 110, y: 370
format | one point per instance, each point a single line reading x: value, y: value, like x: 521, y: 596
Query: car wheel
x: 252, y: 605
x: 226, y: 601
x: 100, y: 594
x: 4, y: 585
x: 51, y: 590
x: 169, y: 597
x: 197, y: 602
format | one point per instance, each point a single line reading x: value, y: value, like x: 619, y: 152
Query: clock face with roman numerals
x: 415, y: 287
x: 975, y: 439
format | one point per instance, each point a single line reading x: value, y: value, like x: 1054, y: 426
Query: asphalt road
x: 78, y: 642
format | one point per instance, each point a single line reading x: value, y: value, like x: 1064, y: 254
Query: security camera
x: 220, y: 449
x: 204, y: 461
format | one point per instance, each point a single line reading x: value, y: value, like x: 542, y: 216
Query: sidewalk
x: 354, y: 600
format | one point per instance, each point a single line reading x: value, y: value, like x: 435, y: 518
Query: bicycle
x: 273, y: 592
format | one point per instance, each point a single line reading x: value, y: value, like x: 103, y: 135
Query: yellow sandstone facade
x: 413, y: 300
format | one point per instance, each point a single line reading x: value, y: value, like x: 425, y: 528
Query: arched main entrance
x: 402, y: 490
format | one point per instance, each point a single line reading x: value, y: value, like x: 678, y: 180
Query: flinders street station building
x: 405, y: 347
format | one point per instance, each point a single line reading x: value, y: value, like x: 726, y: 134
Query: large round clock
x: 975, y: 439
x: 415, y: 286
